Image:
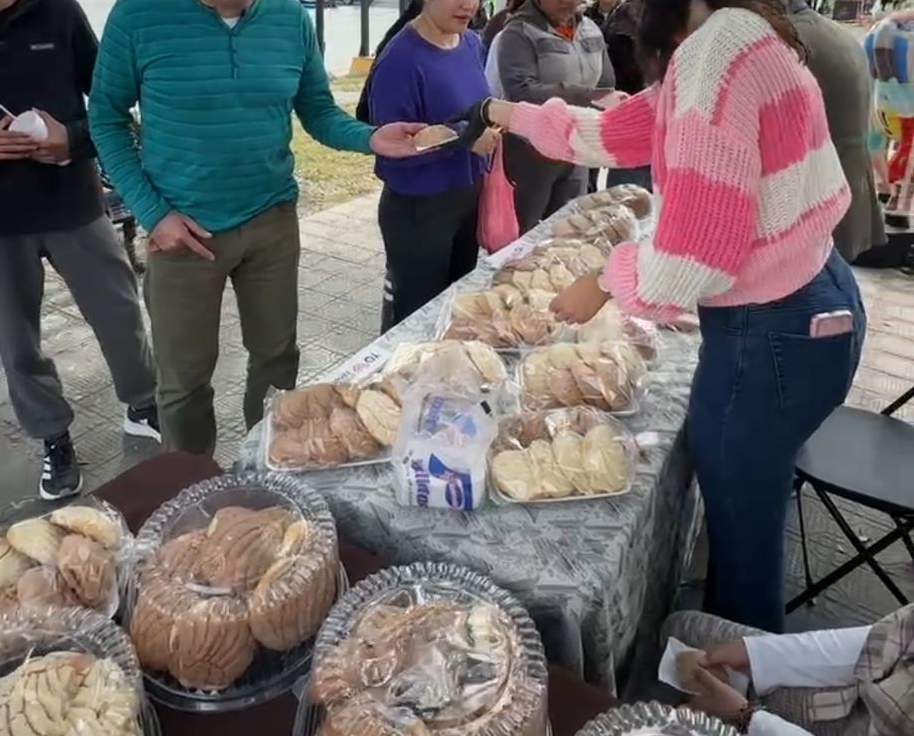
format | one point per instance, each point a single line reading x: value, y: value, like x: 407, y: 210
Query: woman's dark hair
x: 413, y: 10
x: 664, y: 21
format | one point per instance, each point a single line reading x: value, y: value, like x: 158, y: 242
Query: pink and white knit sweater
x: 748, y: 183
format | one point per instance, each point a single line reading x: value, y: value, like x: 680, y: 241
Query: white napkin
x: 668, y: 673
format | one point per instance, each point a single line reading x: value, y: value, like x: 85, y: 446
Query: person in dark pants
x: 548, y: 49
x: 51, y: 209
x: 431, y: 70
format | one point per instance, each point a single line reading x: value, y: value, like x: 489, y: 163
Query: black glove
x: 471, y: 123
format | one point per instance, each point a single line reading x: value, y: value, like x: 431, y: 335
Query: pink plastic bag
x: 497, y: 219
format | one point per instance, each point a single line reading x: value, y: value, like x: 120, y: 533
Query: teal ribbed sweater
x: 216, y: 106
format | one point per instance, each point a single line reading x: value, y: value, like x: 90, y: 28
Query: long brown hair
x: 663, y: 23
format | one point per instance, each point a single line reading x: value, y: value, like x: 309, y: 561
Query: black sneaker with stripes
x: 60, y: 474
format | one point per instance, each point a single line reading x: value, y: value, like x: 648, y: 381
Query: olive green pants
x: 184, y: 298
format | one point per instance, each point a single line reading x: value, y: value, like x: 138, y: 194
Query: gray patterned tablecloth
x: 596, y: 575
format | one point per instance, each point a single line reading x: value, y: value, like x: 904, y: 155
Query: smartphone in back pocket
x: 829, y: 324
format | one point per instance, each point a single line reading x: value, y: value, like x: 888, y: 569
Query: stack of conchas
x: 69, y: 671
x: 487, y: 365
x: 606, y: 376
x: 232, y: 570
x: 429, y: 649
x: 328, y: 425
x: 553, y: 455
x: 615, y: 223
x: 70, y: 557
x: 635, y: 198
x: 611, y: 325
x: 503, y: 317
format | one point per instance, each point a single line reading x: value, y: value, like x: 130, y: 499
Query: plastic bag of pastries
x: 408, y: 358
x: 561, y: 454
x: 553, y: 268
x: 433, y: 650
x: 229, y: 569
x: 609, y: 376
x: 331, y: 425
x: 639, y: 200
x: 502, y: 317
x: 69, y: 671
x: 77, y: 555
x: 611, y: 325
x: 615, y: 222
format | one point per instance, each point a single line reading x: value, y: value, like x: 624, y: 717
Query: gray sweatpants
x: 92, y: 262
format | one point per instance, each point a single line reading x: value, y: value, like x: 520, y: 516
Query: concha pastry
x: 291, y: 601
x: 159, y: 604
x: 42, y: 587
x: 553, y: 481
x: 537, y: 374
x: 590, y: 385
x: 380, y: 415
x: 212, y: 644
x: 569, y: 455
x: 360, y: 445
x: 487, y: 362
x: 605, y: 460
x: 286, y: 448
x: 89, y: 522
x: 349, y: 393
x: 36, y: 538
x: 516, y: 475
x: 296, y: 538
x: 613, y: 384
x: 238, y: 551
x: 88, y: 570
x: 531, y: 326
x: 180, y: 557
x: 12, y: 564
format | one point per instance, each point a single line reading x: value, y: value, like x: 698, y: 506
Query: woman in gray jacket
x: 548, y: 49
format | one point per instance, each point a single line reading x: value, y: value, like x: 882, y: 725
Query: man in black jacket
x: 51, y: 207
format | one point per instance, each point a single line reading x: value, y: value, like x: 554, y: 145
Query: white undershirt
x: 231, y: 22
x: 813, y: 659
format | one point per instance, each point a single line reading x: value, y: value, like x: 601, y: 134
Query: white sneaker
x: 143, y: 423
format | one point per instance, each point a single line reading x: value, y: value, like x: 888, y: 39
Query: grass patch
x: 332, y: 177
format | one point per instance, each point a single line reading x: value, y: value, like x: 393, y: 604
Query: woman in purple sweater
x: 429, y: 72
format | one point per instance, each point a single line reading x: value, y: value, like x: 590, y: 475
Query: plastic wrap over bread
x: 69, y: 671
x: 616, y: 223
x: 561, y: 454
x: 611, y: 325
x: 331, y: 425
x: 504, y: 317
x: 231, y: 568
x: 429, y: 649
x: 551, y: 268
x: 77, y: 555
x: 609, y: 376
x: 639, y: 200
x: 484, y: 361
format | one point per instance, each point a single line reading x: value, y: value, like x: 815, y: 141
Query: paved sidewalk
x: 340, y: 295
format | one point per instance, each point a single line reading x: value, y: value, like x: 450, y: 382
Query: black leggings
x: 430, y: 243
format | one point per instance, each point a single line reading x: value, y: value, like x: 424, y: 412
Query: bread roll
x: 159, y: 604
x: 89, y: 571
x: 180, y: 557
x: 12, y: 564
x: 606, y: 460
x: 516, y: 475
x: 380, y: 415
x: 36, y: 538
x: 320, y: 447
x: 89, y: 522
x: 346, y: 425
x: 553, y: 481
x: 41, y: 587
x: 569, y: 455
x: 237, y: 551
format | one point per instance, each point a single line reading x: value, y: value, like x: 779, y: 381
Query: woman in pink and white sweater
x: 749, y: 189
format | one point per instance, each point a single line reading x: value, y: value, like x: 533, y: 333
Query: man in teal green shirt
x: 212, y: 181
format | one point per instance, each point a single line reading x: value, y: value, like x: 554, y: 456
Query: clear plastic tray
x: 504, y: 318
x: 608, y: 376
x: 654, y: 719
x: 233, y: 578
x: 97, y: 653
x: 79, y: 554
x: 397, y: 634
x: 617, y: 223
x: 551, y: 267
x: 331, y: 426
x: 408, y: 359
x: 561, y: 456
x: 639, y: 200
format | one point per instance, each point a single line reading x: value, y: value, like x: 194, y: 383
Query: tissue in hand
x: 30, y: 123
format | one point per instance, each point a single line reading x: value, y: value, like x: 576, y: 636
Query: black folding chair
x: 867, y: 458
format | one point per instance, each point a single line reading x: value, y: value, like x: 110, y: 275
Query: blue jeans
x: 762, y: 388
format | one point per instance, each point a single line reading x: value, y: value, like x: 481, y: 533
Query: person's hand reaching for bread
x: 717, y: 698
x: 487, y: 144
x: 580, y: 301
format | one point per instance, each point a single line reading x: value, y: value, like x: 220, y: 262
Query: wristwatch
x: 742, y: 719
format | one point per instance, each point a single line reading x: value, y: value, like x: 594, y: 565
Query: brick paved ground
x: 340, y: 291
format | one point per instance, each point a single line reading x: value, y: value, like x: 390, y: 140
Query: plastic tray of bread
x: 233, y: 579
x: 654, y: 719
x: 432, y: 649
x: 69, y: 671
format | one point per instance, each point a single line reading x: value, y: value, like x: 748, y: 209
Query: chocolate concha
x: 89, y: 571
x: 159, y: 604
x: 291, y: 601
x: 212, y: 644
